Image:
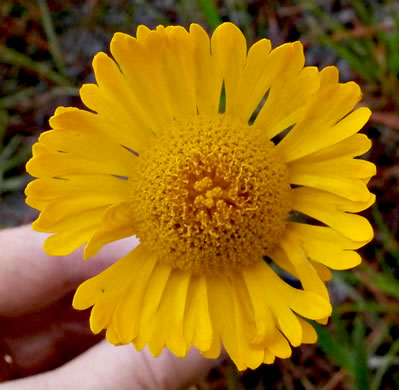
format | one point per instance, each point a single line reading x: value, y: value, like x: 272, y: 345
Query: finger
x: 107, y: 367
x: 30, y: 279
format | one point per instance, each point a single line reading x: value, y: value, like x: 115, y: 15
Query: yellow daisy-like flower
x: 215, y: 157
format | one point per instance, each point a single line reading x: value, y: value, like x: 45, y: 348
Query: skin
x: 40, y: 333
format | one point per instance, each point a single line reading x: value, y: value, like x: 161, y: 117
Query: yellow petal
x: 114, y: 133
x: 256, y: 78
x: 38, y: 149
x: 251, y: 356
x: 353, y: 189
x: 168, y: 320
x: 197, y: 321
x: 263, y: 70
x: 122, y: 105
x: 285, y: 298
x: 329, y: 75
x: 305, y: 303
x: 281, y: 259
x: 181, y: 48
x: 330, y: 210
x: 58, y: 210
x: 53, y: 188
x: 287, y: 322
x: 101, y: 314
x: 325, y: 245
x: 214, y: 350
x: 156, y: 62
x: 130, y: 131
x: 112, y: 337
x: 287, y: 99
x: 123, y: 100
x: 116, y: 224
x: 128, y: 306
x: 142, y: 32
x: 325, y: 121
x: 131, y: 58
x: 73, y: 232
x: 319, y: 138
x: 279, y: 346
x: 110, y: 280
x: 265, y: 325
x: 307, y: 275
x: 152, y: 298
x: 229, y: 48
x: 175, y: 310
x: 246, y: 308
x: 335, y: 168
x: 323, y: 272
x: 208, y: 78
x: 59, y: 164
x: 42, y: 191
x: 354, y: 146
x: 309, y: 335
x: 105, y: 290
x: 223, y: 315
x: 169, y: 72
x: 87, y: 145
x: 268, y: 357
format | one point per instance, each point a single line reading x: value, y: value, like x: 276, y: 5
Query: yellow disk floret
x: 211, y: 194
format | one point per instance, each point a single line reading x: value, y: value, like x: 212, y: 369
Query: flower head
x: 215, y: 157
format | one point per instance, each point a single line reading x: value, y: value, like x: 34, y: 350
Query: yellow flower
x: 214, y: 157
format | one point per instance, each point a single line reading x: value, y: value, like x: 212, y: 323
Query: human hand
x: 39, y: 329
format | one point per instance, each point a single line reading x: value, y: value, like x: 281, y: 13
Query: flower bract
x: 235, y: 167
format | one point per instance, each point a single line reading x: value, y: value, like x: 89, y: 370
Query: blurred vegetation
x: 45, y: 55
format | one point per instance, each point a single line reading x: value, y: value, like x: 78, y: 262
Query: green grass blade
x: 389, y: 359
x: 13, y: 184
x: 333, y: 348
x: 210, y: 12
x: 359, y: 356
x: 51, y: 36
x: 12, y: 57
x: 386, y: 283
x: 385, y: 234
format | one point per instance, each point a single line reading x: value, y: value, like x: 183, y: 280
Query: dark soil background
x: 46, y: 48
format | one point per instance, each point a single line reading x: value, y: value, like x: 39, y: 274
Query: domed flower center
x: 210, y: 195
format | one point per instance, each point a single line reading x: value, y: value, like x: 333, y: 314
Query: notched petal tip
x: 197, y: 27
x: 309, y: 335
x: 61, y: 109
x: 112, y: 337
x: 120, y: 36
x: 142, y: 32
x: 87, y: 294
